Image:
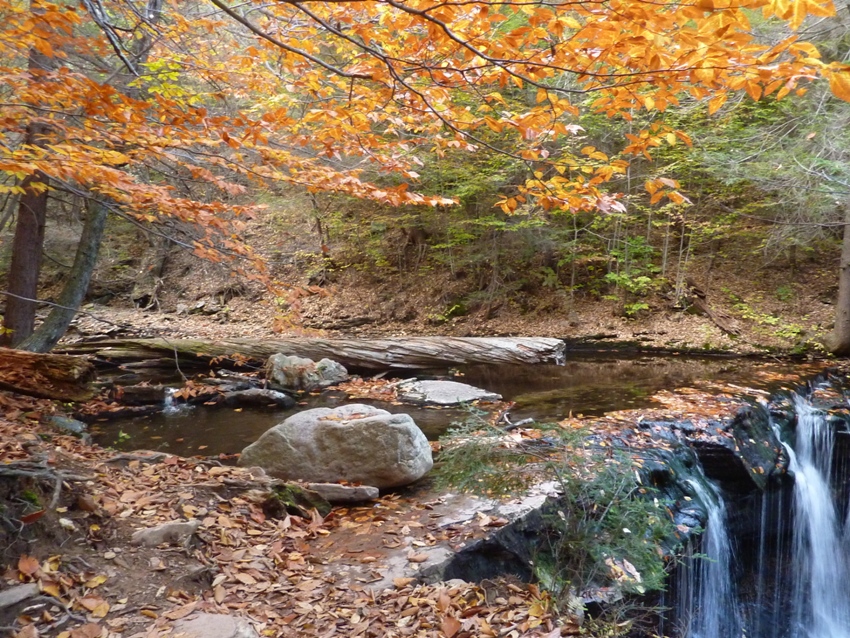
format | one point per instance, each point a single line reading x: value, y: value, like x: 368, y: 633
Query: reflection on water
x: 588, y: 386
x: 593, y: 386
x: 211, y: 431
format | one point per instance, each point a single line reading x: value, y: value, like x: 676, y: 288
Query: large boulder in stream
x: 355, y: 443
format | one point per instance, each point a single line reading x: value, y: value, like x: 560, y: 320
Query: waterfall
x: 820, y: 602
x: 708, y: 593
x: 170, y: 407
x: 794, y: 577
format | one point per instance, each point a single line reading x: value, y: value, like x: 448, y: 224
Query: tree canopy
x: 140, y: 96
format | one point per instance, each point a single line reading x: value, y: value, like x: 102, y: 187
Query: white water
x: 711, y: 592
x: 820, y: 604
x: 170, y: 407
x: 800, y: 586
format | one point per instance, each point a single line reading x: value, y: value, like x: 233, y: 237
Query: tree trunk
x: 838, y: 341
x: 366, y: 354
x: 48, y: 376
x: 19, y: 318
x: 49, y: 333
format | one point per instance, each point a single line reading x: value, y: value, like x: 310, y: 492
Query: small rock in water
x: 299, y: 374
x: 443, y: 393
x: 258, y: 397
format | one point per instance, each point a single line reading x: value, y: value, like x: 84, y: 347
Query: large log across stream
x: 370, y: 354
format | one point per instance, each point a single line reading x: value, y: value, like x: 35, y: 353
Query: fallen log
x: 369, y: 354
x: 46, y: 376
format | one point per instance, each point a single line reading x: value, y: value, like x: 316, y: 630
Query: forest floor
x: 758, y: 303
x: 210, y: 305
x: 272, y: 568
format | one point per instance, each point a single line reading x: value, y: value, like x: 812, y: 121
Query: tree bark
x: 838, y: 341
x: 47, y: 376
x: 27, y: 246
x: 19, y: 318
x: 366, y: 354
x: 49, y: 332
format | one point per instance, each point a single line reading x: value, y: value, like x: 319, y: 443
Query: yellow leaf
x: 493, y: 124
x: 51, y: 589
x: 753, y: 90
x: 715, y: 103
x: 839, y: 84
x: 96, y: 581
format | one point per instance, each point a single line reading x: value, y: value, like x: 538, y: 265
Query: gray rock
x: 258, y: 397
x: 139, y: 394
x: 73, y: 426
x: 17, y: 594
x: 442, y: 393
x: 204, y: 625
x: 172, y: 533
x: 299, y: 374
x: 336, y: 493
x: 355, y: 443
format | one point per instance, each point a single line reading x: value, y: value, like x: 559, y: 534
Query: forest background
x: 672, y: 173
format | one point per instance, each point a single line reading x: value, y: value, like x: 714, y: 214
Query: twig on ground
x: 49, y: 600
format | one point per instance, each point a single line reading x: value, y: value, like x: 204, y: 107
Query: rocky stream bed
x: 416, y: 561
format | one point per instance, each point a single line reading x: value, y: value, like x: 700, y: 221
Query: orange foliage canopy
x: 224, y: 95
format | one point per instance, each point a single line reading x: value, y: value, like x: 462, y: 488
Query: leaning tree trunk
x: 838, y: 341
x: 57, y: 322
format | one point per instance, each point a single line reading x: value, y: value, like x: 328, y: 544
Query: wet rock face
x: 355, y: 443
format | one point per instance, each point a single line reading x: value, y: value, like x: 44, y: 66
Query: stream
x: 590, y: 385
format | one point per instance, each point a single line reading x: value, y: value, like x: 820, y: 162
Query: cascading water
x: 708, y: 592
x: 169, y: 406
x: 820, y: 603
x: 795, y: 582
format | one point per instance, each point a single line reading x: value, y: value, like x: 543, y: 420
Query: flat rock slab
x: 427, y: 541
x: 340, y: 494
x: 444, y: 393
x: 258, y: 397
x: 214, y: 626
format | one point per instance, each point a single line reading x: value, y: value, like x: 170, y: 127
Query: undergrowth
x: 605, y: 531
